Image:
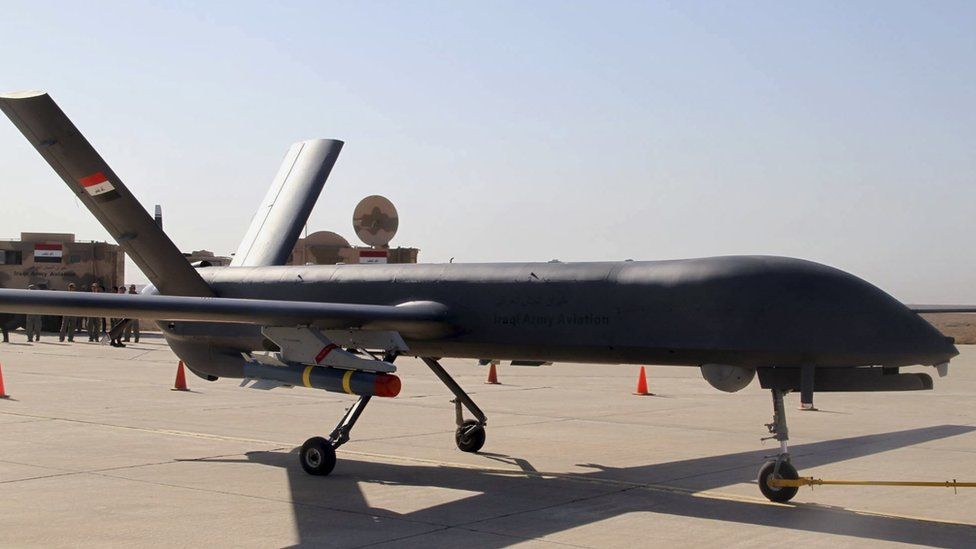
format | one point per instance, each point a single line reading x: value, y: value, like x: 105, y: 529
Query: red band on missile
x: 324, y: 352
x: 386, y: 385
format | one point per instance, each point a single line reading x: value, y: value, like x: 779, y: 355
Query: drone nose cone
x: 943, y: 349
x: 934, y: 346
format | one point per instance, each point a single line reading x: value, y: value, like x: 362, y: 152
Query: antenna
x: 159, y: 216
x: 375, y: 221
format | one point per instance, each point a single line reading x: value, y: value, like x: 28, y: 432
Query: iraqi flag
x: 96, y: 184
x: 47, y: 253
x: 372, y: 256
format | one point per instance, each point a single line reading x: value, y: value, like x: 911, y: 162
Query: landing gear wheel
x: 317, y: 456
x: 786, y: 471
x: 470, y: 436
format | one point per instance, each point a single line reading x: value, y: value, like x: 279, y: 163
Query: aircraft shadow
x: 492, y: 508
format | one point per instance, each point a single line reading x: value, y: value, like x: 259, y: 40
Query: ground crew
x: 132, y: 329
x: 117, y: 340
x: 94, y: 322
x: 68, y: 323
x: 4, y: 319
x: 33, y: 323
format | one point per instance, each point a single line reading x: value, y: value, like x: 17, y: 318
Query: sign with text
x: 372, y: 256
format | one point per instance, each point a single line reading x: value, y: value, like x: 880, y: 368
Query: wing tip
x: 27, y: 94
x: 327, y: 142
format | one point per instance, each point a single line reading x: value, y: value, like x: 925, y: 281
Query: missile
x: 336, y: 380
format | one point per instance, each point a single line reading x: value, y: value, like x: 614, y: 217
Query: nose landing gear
x: 780, y: 467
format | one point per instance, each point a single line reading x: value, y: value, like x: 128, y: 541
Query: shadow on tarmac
x: 517, y: 506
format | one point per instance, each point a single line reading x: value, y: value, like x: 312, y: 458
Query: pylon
x: 180, y: 379
x: 2, y: 393
x: 642, y: 384
x: 492, y: 374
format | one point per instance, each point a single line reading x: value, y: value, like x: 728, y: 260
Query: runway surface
x: 95, y: 450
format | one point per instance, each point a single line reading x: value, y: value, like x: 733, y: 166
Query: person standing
x: 107, y: 322
x: 132, y: 328
x: 117, y: 340
x: 33, y: 323
x: 68, y: 323
x: 94, y: 322
x: 4, y: 319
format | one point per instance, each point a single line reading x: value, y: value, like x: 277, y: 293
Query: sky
x: 840, y: 132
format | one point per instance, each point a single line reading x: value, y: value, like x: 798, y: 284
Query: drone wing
x: 50, y: 131
x: 416, y: 319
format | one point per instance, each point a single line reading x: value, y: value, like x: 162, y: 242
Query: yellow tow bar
x: 810, y: 481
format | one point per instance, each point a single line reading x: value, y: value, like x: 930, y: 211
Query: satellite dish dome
x: 326, y: 239
x: 375, y: 221
x: 325, y: 247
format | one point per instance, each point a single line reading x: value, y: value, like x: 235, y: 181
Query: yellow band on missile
x: 346, y: 377
x: 305, y: 376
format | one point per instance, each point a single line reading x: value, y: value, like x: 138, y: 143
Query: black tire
x: 786, y: 471
x: 470, y: 436
x: 317, y: 456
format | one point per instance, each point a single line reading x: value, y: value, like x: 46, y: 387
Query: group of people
x: 97, y: 327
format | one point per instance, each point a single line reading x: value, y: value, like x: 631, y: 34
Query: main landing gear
x: 318, y: 456
x: 470, y: 434
x: 780, y: 467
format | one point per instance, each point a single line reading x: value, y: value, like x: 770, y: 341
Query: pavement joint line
x: 542, y: 539
x: 173, y: 432
x: 626, y: 486
x: 402, y: 538
x: 441, y: 432
x: 62, y: 376
x: 709, y: 494
x: 290, y: 501
x: 67, y: 355
x: 42, y: 477
x: 568, y: 476
x: 671, y: 427
x: 550, y: 506
x: 28, y: 420
x: 448, y: 528
x: 60, y: 472
x: 65, y: 473
x: 263, y: 406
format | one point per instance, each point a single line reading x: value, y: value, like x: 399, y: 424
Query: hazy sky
x: 839, y: 132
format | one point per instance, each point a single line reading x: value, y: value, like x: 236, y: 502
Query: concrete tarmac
x: 95, y: 450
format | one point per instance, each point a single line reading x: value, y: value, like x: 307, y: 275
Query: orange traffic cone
x: 2, y: 393
x: 180, y: 379
x: 642, y: 384
x: 492, y: 375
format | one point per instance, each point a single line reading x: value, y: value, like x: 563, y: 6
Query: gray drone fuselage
x: 749, y: 311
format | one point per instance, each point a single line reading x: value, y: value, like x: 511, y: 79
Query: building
x: 329, y: 248
x: 53, y: 260
x: 320, y: 248
x: 206, y: 258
